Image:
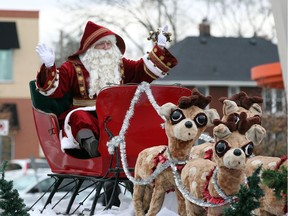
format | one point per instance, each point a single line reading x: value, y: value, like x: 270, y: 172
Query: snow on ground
x: 126, y: 208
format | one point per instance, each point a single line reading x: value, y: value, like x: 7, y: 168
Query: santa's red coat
x: 56, y: 82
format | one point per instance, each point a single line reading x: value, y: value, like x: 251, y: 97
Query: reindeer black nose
x: 237, y: 152
x: 188, y: 124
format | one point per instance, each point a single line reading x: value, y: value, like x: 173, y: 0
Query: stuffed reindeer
x: 234, y: 143
x: 269, y: 204
x: 183, y: 126
x: 241, y: 102
x: 238, y: 103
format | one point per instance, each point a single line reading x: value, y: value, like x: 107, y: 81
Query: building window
x: 8, y: 42
x: 274, y: 100
x: 232, y: 90
x: 6, y: 62
x: 280, y: 96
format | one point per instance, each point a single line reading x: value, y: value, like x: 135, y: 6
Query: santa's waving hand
x: 46, y: 55
x: 161, y: 40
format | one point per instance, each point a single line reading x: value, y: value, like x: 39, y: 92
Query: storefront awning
x: 8, y: 36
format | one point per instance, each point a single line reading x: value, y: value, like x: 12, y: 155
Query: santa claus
x: 97, y: 63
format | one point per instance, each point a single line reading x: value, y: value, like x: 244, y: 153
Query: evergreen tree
x: 10, y: 202
x: 247, y: 197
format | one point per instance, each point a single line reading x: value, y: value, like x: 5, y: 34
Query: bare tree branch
x: 231, y: 17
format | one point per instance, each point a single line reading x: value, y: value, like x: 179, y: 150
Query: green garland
x: 248, y: 197
x: 276, y: 180
x: 10, y: 203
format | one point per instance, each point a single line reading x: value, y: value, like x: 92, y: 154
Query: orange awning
x: 268, y: 75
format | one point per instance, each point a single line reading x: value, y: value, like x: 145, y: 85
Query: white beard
x: 103, y: 67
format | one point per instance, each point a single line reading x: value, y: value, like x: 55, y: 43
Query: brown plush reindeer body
x: 183, y: 126
x: 234, y: 142
x: 269, y: 204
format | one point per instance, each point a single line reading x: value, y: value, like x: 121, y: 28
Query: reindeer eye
x: 236, y: 118
x: 176, y: 116
x: 200, y: 120
x: 248, y: 149
x: 221, y: 148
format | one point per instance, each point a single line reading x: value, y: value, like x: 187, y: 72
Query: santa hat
x: 93, y: 33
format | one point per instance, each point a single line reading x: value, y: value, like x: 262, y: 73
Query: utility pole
x: 61, y: 46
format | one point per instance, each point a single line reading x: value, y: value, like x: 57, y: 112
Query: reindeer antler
x: 196, y: 99
x: 230, y: 122
x: 242, y: 125
x: 245, y: 123
x: 243, y: 100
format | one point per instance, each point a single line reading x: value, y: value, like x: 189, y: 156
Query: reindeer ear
x: 229, y: 107
x: 256, y: 109
x: 212, y: 114
x: 221, y: 131
x: 166, y: 109
x: 256, y: 134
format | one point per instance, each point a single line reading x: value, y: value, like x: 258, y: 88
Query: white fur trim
x: 111, y: 38
x: 69, y: 141
x: 52, y: 90
x: 149, y: 64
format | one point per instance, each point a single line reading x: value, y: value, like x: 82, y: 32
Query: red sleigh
x: 112, y: 105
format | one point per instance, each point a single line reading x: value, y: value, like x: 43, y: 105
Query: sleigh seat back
x: 112, y: 106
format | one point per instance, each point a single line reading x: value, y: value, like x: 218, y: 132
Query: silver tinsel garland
x: 120, y: 140
x: 218, y: 189
x: 192, y: 199
x: 206, y: 138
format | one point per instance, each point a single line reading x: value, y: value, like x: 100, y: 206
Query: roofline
x: 207, y: 83
x: 19, y: 14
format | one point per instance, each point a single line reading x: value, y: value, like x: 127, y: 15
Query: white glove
x: 161, y: 41
x: 46, y: 55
